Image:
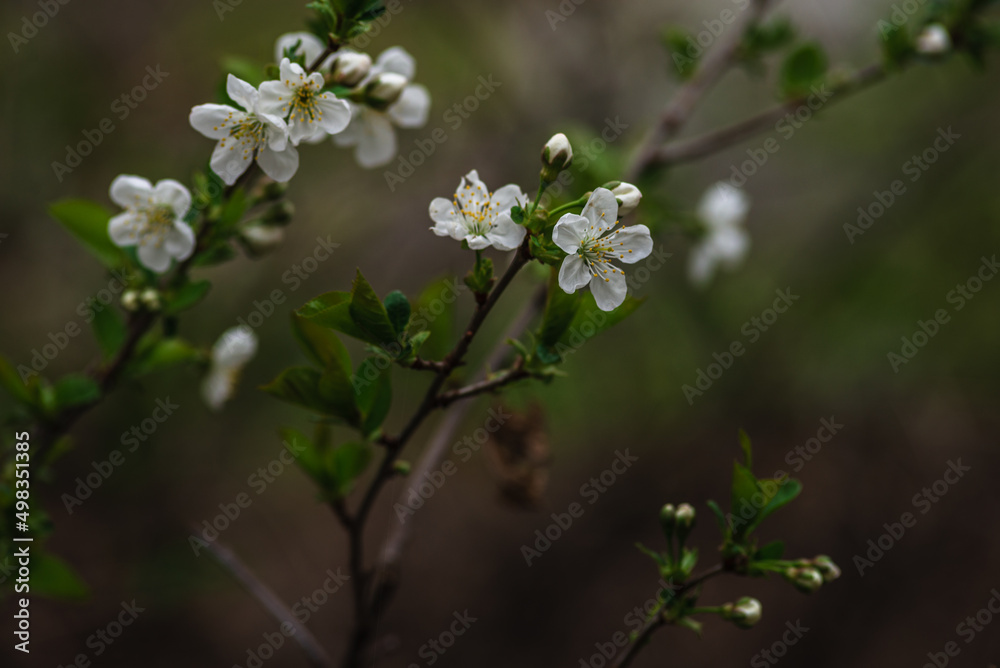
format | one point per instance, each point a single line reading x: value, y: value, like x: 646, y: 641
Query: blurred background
x: 825, y: 359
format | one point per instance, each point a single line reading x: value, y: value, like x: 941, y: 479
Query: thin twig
x: 274, y: 606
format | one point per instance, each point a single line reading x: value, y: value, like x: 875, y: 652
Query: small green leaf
x: 590, y: 320
x: 187, y: 296
x: 307, y: 455
x: 661, y: 560
x: 232, y: 211
x: 720, y: 517
x: 369, y: 314
x: 803, y: 68
x: 374, y: 393
x: 397, y: 306
x: 560, y: 309
x: 88, y: 222
x: 787, y: 491
x: 435, y: 314
x: 347, y: 463
x: 320, y: 343
x: 743, y: 490
x: 480, y: 279
x: 772, y: 551
x: 747, y: 449
x: 109, y: 330
x: 300, y: 386
x: 333, y: 310
x: 50, y: 576
x: 75, y: 390
x: 688, y: 561
x: 158, y: 354
x: 517, y: 214
x: 217, y: 253
x: 338, y: 393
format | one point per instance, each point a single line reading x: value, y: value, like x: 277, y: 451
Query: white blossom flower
x: 152, y: 220
x: 309, y: 46
x: 591, y: 245
x: 230, y: 354
x: 245, y: 136
x: 479, y: 218
x: 629, y: 196
x: 722, y: 210
x: 558, y: 152
x: 371, y: 132
x: 299, y: 97
x: 351, y: 68
x: 934, y: 40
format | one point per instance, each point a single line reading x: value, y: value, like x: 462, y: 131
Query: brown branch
x: 270, y: 601
x: 512, y: 375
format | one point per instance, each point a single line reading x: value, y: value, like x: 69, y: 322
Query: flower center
x: 305, y: 107
x: 159, y: 221
x: 597, y: 253
x: 246, y: 135
x: 478, y: 214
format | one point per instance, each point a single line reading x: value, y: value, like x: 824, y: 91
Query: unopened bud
x: 934, y: 40
x: 668, y: 520
x: 385, y: 89
x: 829, y: 570
x: 805, y: 580
x: 685, y: 521
x: 557, y: 155
x: 130, y: 300
x: 628, y: 197
x: 744, y: 613
x: 150, y: 298
x: 351, y: 68
x: 262, y: 239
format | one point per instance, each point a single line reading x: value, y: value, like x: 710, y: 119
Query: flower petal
x: 504, y: 199
x: 173, y: 194
x: 723, y: 205
x: 601, y: 209
x: 241, y: 92
x: 570, y: 231
x: 632, y: 243
x: 131, y: 192
x: 215, y: 120
x: 609, y: 289
x: 477, y: 241
x: 701, y: 264
x: 336, y: 113
x: 351, y: 135
x: 180, y: 241
x: 279, y: 165
x: 573, y: 274
x: 123, y: 228
x: 506, y: 235
x: 229, y: 161
x: 376, y: 144
x: 292, y: 74
x: 412, y: 107
x: 446, y: 219
x: 396, y: 59
x: 730, y: 245
x: 472, y: 194
x: 275, y: 97
x: 154, y: 257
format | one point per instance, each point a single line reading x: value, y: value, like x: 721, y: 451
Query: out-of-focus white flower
x: 245, y: 136
x: 934, y: 40
x: 263, y: 238
x: 722, y: 211
x: 299, y: 97
x: 371, y: 130
x: 385, y: 88
x: 231, y: 352
x: 310, y: 46
x: 478, y: 217
x: 628, y: 197
x: 591, y: 246
x: 153, y: 220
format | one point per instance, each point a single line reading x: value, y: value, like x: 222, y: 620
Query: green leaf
x: 50, y: 576
x: 369, y: 314
x: 747, y: 449
x: 897, y: 45
x: 803, y: 68
x: 397, y: 306
x: 217, y: 253
x: 435, y: 314
x: 109, y: 330
x: 772, y: 551
x: 11, y: 381
x: 88, y: 222
x: 187, y: 296
x: 720, y: 517
x: 787, y: 491
x: 480, y: 279
x: 337, y: 389
x: 374, y: 388
x: 560, y: 309
x: 307, y: 455
x: 661, y: 560
x: 333, y: 310
x: 347, y: 463
x: 299, y: 386
x: 232, y: 211
x: 688, y: 561
x: 590, y: 321
x: 75, y: 390
x: 743, y: 489
x: 159, y: 354
x: 681, y: 46
x: 517, y: 214
x: 320, y: 343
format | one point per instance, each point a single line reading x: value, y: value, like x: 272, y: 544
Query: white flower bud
x: 230, y: 353
x: 351, y: 68
x: 130, y: 300
x: 806, y: 580
x: 557, y: 155
x: 262, y: 239
x: 628, y: 197
x: 829, y: 570
x: 685, y: 515
x: 150, y: 298
x: 934, y: 40
x: 744, y: 613
x: 386, y: 88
